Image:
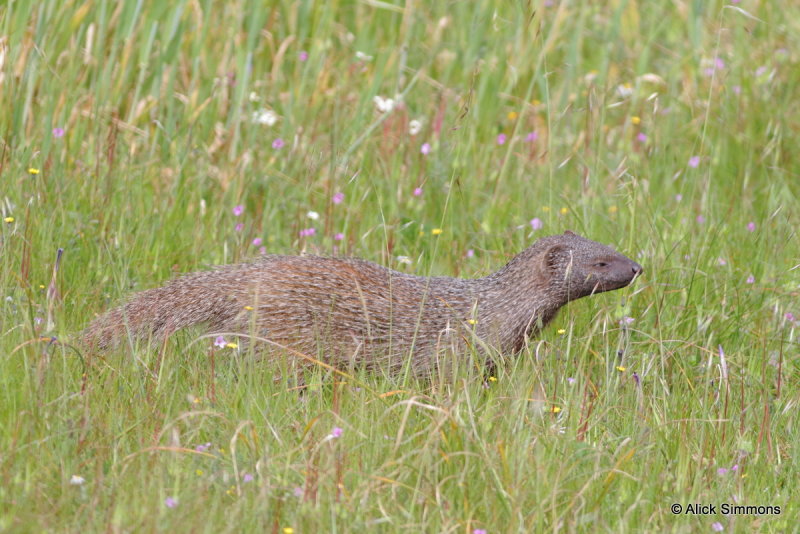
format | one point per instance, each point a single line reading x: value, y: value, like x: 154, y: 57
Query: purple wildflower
x: 700, y: 219
x: 721, y: 261
x: 417, y: 191
x: 470, y: 253
x: 719, y: 63
x: 570, y: 380
x: 626, y: 320
x: 277, y: 143
x: 336, y: 432
x: 636, y: 378
x: 297, y: 492
x: 308, y: 232
x: 203, y: 447
x: 338, y: 198
x: 425, y: 149
x: 501, y: 139
x: 694, y: 161
x: 171, y: 502
x: 737, y: 89
x: 678, y: 197
x: 641, y: 137
x: 238, y: 210
x: 531, y: 137
x: 239, y: 227
x: 479, y: 531
x: 303, y: 55
x: 58, y: 132
x: 338, y: 237
x: 789, y: 316
x: 220, y: 342
x: 257, y: 242
x: 722, y: 471
x: 751, y: 227
x: 751, y: 279
x: 247, y: 477
x: 262, y: 250
x: 536, y: 223
x: 716, y: 526
x: 761, y: 70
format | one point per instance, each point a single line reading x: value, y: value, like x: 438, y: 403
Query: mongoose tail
x: 354, y: 312
x: 192, y: 299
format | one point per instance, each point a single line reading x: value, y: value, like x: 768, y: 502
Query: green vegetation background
x: 131, y: 130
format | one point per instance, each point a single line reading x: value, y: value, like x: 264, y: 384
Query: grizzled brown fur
x: 351, y: 312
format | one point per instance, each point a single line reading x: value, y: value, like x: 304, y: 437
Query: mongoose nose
x: 637, y: 269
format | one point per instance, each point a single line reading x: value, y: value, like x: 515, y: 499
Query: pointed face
x: 584, y: 267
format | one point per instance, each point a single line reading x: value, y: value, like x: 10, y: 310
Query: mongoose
x: 351, y: 312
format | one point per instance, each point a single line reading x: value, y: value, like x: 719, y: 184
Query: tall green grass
x: 664, y: 128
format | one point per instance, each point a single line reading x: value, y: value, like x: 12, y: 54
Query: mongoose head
x: 584, y: 267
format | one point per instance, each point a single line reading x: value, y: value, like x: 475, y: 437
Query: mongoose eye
x: 601, y: 264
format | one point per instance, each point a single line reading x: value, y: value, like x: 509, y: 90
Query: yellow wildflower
x: 564, y: 211
x: 232, y: 345
x: 9, y: 220
x: 636, y: 120
x: 436, y: 231
x: 33, y: 170
x: 562, y: 331
x: 472, y: 321
x: 512, y: 115
x: 555, y: 409
x: 621, y: 369
x: 492, y: 379
x: 612, y: 209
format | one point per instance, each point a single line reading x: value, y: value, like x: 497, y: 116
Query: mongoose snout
x: 615, y: 273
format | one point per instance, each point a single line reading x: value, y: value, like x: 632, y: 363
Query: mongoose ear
x: 570, y: 232
x: 553, y: 257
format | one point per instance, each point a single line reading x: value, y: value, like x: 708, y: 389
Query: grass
x: 664, y: 128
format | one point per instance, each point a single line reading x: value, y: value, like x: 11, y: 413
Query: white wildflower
x: 404, y: 260
x: 76, y: 480
x: 384, y: 105
x: 414, y: 127
x: 313, y: 215
x: 266, y: 117
x: 361, y: 56
x: 624, y: 90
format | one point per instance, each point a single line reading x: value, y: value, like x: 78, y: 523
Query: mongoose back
x: 351, y: 312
